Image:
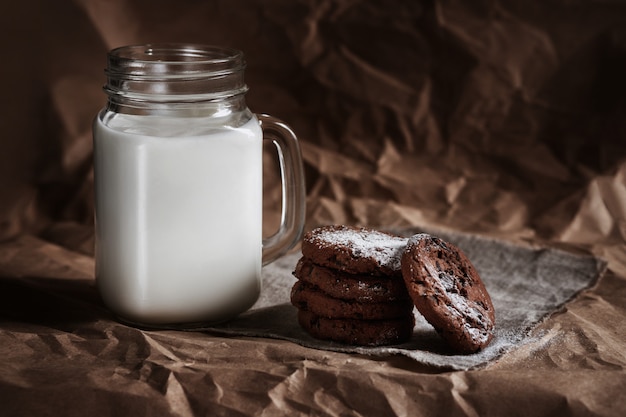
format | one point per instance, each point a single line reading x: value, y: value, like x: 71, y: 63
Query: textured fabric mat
x: 526, y: 284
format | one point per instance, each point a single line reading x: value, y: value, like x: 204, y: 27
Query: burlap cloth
x: 527, y: 284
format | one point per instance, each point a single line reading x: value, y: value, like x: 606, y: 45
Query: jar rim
x: 174, y: 60
x: 174, y: 72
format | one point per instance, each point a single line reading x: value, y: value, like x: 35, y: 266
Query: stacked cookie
x: 350, y: 287
x: 359, y: 286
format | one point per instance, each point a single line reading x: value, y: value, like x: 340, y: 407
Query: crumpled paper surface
x: 500, y: 119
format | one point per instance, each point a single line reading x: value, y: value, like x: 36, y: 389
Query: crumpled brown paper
x: 497, y: 118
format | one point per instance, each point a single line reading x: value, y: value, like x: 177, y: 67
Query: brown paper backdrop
x: 491, y: 116
x: 502, y: 117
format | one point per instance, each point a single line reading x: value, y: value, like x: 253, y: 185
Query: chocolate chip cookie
x: 308, y: 297
x: 357, y: 332
x: 358, y: 287
x: 448, y: 291
x: 355, y: 250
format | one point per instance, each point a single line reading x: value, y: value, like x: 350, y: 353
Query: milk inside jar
x: 178, y: 188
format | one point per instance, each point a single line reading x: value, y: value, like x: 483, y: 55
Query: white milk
x: 178, y: 218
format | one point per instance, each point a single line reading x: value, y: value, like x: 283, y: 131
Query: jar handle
x: 293, y: 188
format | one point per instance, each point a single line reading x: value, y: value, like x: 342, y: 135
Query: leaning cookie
x: 357, y: 332
x: 354, y: 250
x: 345, y: 286
x: 448, y: 292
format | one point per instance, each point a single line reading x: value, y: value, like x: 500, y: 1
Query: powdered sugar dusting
x: 416, y: 239
x: 384, y: 248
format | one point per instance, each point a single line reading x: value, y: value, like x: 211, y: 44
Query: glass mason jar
x: 178, y: 187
